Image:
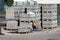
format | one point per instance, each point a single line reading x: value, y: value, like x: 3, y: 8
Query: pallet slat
x: 37, y: 24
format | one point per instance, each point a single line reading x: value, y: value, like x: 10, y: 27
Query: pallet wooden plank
x: 37, y: 24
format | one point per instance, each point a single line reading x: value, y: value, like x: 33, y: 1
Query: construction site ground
x: 46, y: 34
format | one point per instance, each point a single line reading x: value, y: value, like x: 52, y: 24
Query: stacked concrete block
x: 25, y: 27
x: 11, y: 25
x: 24, y: 17
x: 26, y: 24
x: 9, y: 13
x: 49, y: 15
x: 28, y: 17
x: 18, y: 12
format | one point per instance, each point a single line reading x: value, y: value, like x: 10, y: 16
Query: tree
x: 9, y: 3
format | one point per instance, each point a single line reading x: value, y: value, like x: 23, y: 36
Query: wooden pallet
x: 37, y: 24
x: 49, y: 27
x: 11, y: 29
x: 13, y: 32
x: 19, y: 32
x: 24, y: 32
x: 26, y: 21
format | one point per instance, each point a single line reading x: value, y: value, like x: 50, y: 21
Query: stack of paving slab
x: 25, y: 27
x: 10, y: 13
x: 24, y: 17
x: 28, y: 17
x: 11, y: 25
x: 25, y: 22
x: 49, y: 15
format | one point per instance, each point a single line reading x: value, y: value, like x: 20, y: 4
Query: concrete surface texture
x: 53, y: 34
